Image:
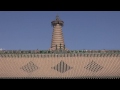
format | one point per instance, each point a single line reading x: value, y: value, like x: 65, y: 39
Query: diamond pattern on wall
x: 62, y: 67
x: 93, y: 66
x: 30, y: 67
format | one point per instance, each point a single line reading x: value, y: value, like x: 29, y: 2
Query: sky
x: 31, y: 30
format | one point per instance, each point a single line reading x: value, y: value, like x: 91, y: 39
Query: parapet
x: 59, y: 53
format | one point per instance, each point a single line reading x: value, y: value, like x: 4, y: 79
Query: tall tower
x: 57, y: 35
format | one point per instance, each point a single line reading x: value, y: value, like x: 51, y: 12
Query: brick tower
x: 57, y: 42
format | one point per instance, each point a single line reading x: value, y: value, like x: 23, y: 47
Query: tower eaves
x: 57, y: 21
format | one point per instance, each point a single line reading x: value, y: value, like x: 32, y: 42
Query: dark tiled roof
x: 58, y: 51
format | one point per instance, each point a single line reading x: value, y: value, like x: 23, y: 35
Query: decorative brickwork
x: 29, y: 67
x: 62, y: 67
x: 93, y: 66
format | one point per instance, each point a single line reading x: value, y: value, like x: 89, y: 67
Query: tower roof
x: 57, y: 18
x: 57, y: 21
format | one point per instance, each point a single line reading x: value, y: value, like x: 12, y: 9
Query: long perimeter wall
x: 57, y: 66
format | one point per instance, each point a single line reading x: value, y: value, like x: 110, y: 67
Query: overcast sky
x: 31, y: 30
